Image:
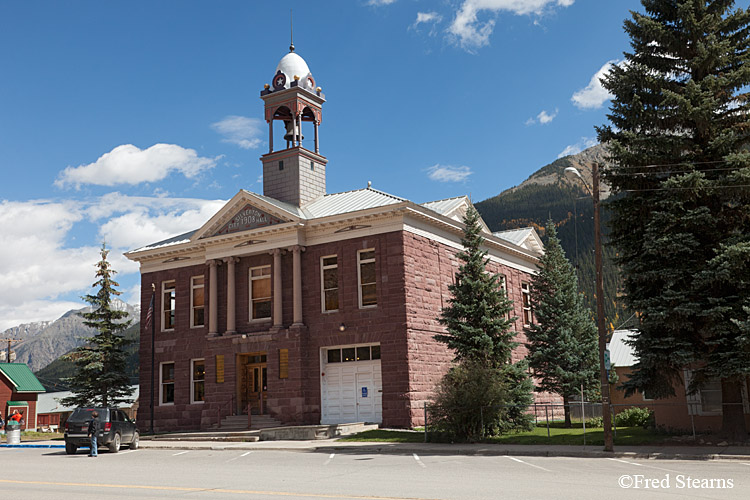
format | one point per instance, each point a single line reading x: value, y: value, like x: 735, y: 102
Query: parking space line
x: 743, y: 463
x: 243, y: 455
x: 416, y: 457
x: 180, y: 453
x: 330, y: 457
x: 624, y: 462
x: 121, y: 452
x: 527, y: 463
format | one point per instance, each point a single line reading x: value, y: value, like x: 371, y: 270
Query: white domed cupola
x: 295, y: 173
x: 292, y: 71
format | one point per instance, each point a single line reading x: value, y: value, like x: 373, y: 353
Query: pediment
x: 244, y: 212
x: 247, y: 218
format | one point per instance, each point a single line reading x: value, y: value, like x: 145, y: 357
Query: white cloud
x: 378, y: 3
x: 128, y: 164
x: 42, y: 264
x: 594, y: 95
x: 448, y: 173
x: 470, y: 33
x: 573, y: 149
x: 544, y: 118
x: 426, y: 17
x: 241, y: 131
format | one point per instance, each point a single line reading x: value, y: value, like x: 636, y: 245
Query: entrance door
x: 253, y: 383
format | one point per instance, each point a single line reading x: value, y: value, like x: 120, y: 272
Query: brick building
x: 313, y: 307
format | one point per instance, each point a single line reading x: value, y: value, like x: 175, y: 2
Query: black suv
x: 115, y: 429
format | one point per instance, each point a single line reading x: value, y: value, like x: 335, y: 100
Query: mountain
x: 549, y: 193
x: 45, y: 341
x: 52, y: 376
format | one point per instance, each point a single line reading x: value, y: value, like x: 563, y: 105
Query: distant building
x: 313, y: 307
x: 19, y: 389
x: 684, y: 412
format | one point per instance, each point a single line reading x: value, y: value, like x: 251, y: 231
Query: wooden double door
x: 252, y: 382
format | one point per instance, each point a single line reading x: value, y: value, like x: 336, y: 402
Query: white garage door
x: 351, y: 385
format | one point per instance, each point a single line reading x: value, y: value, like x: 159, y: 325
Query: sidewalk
x: 333, y: 446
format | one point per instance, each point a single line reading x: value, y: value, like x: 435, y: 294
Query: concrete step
x: 239, y: 423
x: 242, y: 436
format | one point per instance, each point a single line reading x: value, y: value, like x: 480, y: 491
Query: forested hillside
x: 547, y: 193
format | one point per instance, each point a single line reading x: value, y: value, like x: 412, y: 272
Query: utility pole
x: 606, y: 413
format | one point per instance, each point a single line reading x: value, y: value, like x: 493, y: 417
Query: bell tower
x: 295, y: 174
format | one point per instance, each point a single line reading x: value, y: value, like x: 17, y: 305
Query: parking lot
x: 352, y: 474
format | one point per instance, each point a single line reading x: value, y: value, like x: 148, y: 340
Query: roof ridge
x: 445, y: 199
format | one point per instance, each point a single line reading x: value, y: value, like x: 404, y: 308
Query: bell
x: 289, y: 136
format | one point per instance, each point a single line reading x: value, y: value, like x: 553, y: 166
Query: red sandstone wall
x: 429, y: 269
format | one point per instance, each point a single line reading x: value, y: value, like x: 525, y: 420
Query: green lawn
x: 558, y: 435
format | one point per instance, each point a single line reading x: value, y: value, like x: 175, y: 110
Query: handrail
x: 230, y: 404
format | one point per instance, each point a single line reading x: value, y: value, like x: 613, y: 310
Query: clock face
x: 279, y: 80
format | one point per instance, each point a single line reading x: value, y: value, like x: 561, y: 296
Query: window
x: 166, y: 385
x: 312, y: 165
x: 197, y: 381
x: 329, y: 278
x: 504, y: 287
x: 281, y: 164
x: 710, y: 395
x: 260, y: 292
x: 167, y: 305
x: 197, y: 302
x: 366, y: 275
x: 350, y: 354
x: 526, y: 294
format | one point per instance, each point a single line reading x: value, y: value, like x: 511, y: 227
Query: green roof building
x: 18, y: 392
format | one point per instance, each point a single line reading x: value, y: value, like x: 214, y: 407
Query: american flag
x: 150, y: 313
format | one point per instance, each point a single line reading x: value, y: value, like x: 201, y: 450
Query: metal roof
x: 21, y: 377
x: 444, y: 207
x: 515, y: 236
x: 349, y: 201
x: 49, y: 402
x: 621, y: 354
x: 180, y: 238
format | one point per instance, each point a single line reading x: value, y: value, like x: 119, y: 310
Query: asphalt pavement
x: 681, y: 452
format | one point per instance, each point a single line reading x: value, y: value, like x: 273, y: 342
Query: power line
x: 684, y: 188
x: 712, y: 162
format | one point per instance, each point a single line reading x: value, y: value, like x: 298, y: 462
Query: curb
x: 32, y: 446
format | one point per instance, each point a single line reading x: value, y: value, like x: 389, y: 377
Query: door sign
x: 364, y: 392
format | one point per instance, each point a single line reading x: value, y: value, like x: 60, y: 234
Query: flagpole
x: 153, y: 335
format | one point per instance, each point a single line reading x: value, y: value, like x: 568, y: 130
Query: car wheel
x: 134, y: 442
x: 70, y: 448
x: 114, y: 446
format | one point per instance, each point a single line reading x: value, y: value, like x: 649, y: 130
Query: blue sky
x: 132, y: 121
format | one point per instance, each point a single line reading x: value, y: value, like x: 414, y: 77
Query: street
x: 226, y: 474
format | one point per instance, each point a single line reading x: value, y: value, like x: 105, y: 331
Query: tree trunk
x: 733, y: 413
x: 566, y: 406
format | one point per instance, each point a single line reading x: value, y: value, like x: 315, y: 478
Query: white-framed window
x: 198, y: 381
x: 368, y: 296
x: 504, y: 287
x: 167, y: 305
x: 707, y: 400
x: 329, y: 283
x: 526, y: 295
x: 260, y: 292
x: 166, y: 383
x: 197, y: 302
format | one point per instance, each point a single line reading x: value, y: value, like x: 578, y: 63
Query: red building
x: 19, y: 389
x: 313, y: 307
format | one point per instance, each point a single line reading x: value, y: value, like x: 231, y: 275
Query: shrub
x: 474, y: 400
x: 595, y: 422
x: 633, y: 417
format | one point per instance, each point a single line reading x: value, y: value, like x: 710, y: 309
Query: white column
x: 278, y: 319
x: 213, y: 318
x: 297, y: 282
x: 270, y: 136
x: 231, y: 292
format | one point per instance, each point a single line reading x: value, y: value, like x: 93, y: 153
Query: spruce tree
x: 477, y: 318
x: 562, y: 343
x: 486, y: 393
x: 680, y: 172
x: 100, y: 378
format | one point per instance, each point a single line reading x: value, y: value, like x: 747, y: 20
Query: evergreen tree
x: 485, y: 393
x: 100, y: 378
x: 478, y: 318
x: 680, y: 172
x: 562, y: 343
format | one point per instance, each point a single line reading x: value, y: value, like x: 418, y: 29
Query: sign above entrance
x: 248, y: 218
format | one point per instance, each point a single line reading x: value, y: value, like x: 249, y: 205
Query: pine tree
x: 680, y: 172
x: 100, y: 378
x: 477, y: 318
x: 562, y: 343
x: 485, y: 393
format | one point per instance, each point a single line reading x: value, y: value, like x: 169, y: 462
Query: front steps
x: 239, y: 423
